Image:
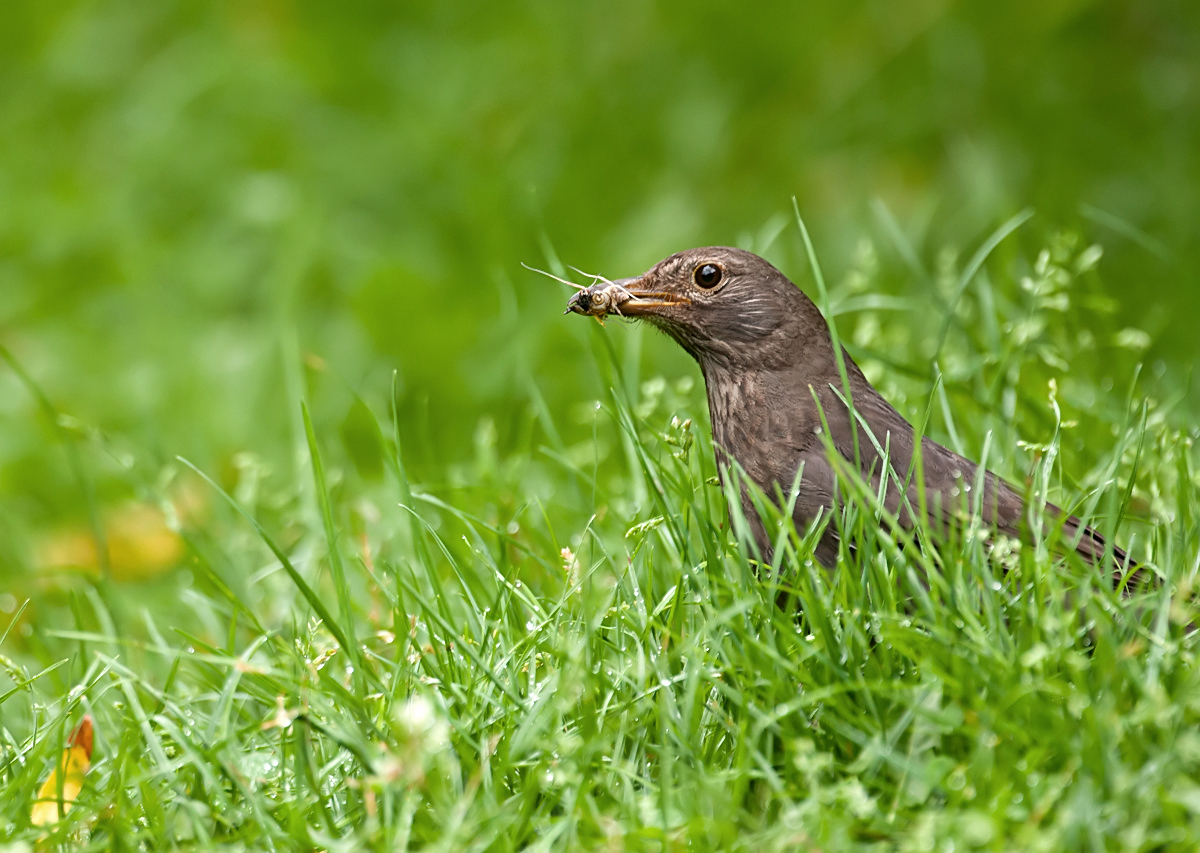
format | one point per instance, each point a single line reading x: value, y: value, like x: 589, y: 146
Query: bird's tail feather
x: 1090, y: 544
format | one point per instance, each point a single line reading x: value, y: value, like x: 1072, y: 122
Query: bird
x: 788, y: 415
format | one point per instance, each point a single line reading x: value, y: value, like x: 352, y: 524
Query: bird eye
x: 707, y: 276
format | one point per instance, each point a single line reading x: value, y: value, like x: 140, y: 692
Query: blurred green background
x: 209, y: 209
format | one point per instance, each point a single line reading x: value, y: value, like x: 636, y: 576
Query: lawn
x: 346, y: 539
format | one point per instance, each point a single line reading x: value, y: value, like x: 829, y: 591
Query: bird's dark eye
x: 708, y: 275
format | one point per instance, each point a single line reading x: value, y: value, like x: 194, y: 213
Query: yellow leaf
x: 141, y: 542
x: 76, y: 759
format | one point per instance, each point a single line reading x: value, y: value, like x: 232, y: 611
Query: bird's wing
x: 1003, y: 508
x: 951, y: 492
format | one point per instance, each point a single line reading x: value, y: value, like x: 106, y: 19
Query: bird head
x: 717, y: 303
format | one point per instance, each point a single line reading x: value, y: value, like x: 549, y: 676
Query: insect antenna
x: 556, y: 278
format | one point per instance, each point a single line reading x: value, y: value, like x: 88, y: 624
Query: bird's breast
x: 757, y: 424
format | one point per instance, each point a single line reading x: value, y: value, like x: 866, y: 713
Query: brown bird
x: 768, y: 360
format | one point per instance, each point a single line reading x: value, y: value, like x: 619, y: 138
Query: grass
x: 566, y: 647
x: 283, y: 242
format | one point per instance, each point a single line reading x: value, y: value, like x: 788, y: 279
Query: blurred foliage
x: 210, y: 210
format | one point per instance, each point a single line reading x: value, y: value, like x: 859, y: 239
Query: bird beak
x: 628, y: 297
x: 633, y: 298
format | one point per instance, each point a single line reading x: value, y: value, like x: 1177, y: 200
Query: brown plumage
x: 765, y: 351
